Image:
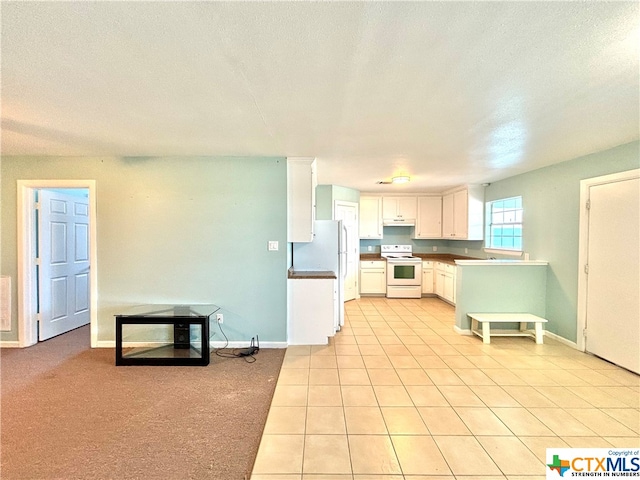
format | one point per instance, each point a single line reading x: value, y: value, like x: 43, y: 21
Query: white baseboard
x: 10, y: 344
x: 560, y: 339
x: 553, y: 336
x: 461, y: 331
x: 216, y: 344
x: 245, y: 344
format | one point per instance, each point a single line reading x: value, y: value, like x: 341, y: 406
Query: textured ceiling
x: 447, y: 92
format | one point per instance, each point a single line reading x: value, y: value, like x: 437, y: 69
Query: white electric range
x: 404, y: 271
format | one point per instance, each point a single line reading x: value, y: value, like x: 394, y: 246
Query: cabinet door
x: 301, y: 199
x: 429, y: 218
x: 453, y: 296
x: 447, y: 216
x: 372, y: 281
x: 370, y: 217
x: 427, y: 279
x: 475, y: 212
x: 310, y: 311
x: 461, y: 214
x: 407, y: 207
x: 439, y: 283
x: 389, y: 207
x: 399, y: 207
x: 448, y: 287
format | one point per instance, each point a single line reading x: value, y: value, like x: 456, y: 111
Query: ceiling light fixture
x: 401, y: 179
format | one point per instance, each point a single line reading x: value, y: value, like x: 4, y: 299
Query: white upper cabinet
x: 370, y: 216
x: 398, y: 209
x: 301, y: 198
x: 463, y: 213
x: 429, y: 218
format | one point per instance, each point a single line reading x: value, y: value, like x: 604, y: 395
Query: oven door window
x: 404, y: 272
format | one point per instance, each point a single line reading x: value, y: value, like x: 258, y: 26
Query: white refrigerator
x: 325, y: 252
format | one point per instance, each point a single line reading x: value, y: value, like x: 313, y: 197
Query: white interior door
x: 348, y: 213
x: 613, y: 278
x: 63, y: 252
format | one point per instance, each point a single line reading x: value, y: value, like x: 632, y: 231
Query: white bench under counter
x: 486, y: 319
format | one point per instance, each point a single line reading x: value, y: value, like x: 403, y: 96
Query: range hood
x: 398, y: 222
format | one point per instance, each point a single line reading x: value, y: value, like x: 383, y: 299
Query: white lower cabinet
x: 427, y: 277
x: 445, y: 281
x: 373, y: 277
x: 439, y: 279
x: 311, y: 311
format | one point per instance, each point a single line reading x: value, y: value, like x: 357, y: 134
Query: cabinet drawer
x: 367, y: 264
x: 427, y: 264
x: 449, y: 268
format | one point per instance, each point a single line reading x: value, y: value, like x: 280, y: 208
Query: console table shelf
x: 186, y: 335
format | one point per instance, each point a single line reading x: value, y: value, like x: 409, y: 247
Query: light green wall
x: 326, y: 195
x: 324, y: 202
x: 498, y: 289
x: 468, y: 248
x: 551, y: 198
x: 176, y: 230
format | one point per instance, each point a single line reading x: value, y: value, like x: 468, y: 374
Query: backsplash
x: 402, y: 236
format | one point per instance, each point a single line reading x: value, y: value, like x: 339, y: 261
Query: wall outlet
x: 273, y: 245
x: 219, y: 318
x: 466, y: 250
x: 435, y: 249
x: 369, y: 248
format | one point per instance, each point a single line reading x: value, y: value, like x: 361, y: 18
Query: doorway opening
x: 28, y: 230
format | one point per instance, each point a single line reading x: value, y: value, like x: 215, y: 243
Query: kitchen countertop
x: 501, y: 262
x: 434, y: 257
x: 311, y: 274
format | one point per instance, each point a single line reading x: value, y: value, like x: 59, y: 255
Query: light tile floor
x: 398, y: 395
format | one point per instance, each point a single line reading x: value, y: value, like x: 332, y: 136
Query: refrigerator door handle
x: 344, y: 252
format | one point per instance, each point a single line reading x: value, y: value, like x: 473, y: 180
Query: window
x: 504, y: 224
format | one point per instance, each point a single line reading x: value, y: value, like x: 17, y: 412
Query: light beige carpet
x: 69, y: 413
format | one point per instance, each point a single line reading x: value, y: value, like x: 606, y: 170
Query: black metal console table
x: 180, y: 337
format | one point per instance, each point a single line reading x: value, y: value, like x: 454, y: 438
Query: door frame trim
x: 27, y: 284
x: 583, y: 245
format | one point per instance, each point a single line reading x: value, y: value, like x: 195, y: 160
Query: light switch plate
x: 273, y: 245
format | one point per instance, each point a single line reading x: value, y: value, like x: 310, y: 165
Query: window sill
x: 503, y: 251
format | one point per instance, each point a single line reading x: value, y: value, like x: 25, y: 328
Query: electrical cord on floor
x: 247, y: 353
